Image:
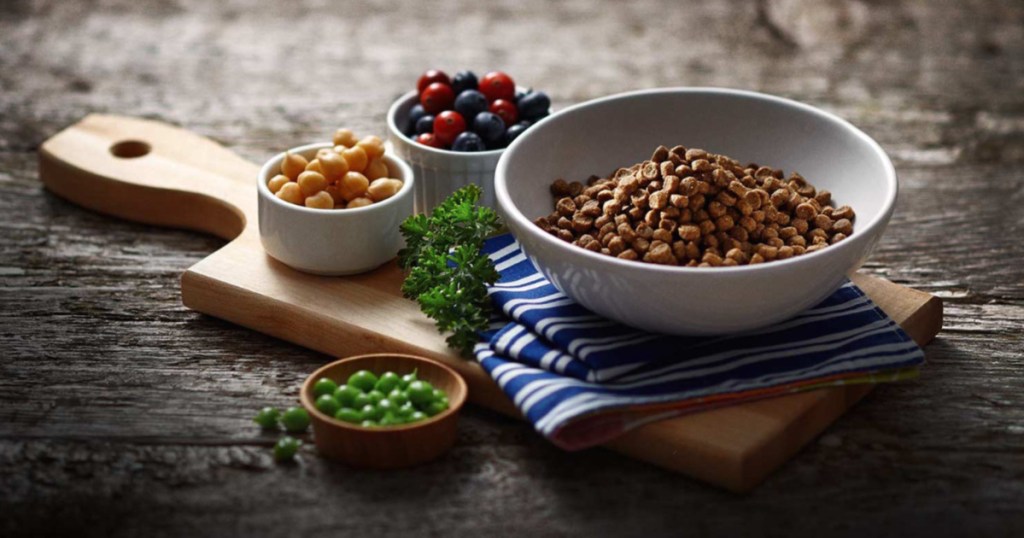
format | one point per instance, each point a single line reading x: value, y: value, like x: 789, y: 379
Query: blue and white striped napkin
x: 582, y: 380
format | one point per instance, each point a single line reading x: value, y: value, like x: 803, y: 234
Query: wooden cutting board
x: 153, y: 173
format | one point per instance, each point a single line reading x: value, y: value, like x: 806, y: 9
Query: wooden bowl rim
x: 453, y: 406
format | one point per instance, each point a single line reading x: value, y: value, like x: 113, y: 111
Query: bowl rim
x: 394, y: 129
x: 265, y: 176
x: 306, y: 398
x: 868, y: 231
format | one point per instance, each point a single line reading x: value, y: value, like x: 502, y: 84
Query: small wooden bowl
x: 387, y: 447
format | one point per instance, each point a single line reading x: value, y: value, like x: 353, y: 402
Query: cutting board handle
x: 151, y: 172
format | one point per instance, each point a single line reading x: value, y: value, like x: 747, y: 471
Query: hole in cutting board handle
x: 130, y: 149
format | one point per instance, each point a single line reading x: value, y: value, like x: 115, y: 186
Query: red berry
x: 428, y: 139
x: 437, y: 97
x: 448, y: 125
x: 429, y: 77
x: 506, y: 110
x: 497, y: 85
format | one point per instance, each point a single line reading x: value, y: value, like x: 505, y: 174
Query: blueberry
x: 514, y: 131
x: 533, y: 106
x: 415, y: 113
x: 521, y: 93
x: 468, y: 141
x: 462, y: 81
x: 470, y: 103
x: 489, y: 126
x: 425, y: 124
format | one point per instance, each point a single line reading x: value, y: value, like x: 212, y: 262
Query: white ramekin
x: 336, y: 241
x: 439, y: 172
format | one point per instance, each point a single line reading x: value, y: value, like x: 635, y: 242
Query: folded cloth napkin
x: 582, y: 379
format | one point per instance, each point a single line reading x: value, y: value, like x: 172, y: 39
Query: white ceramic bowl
x: 439, y: 172
x: 599, y: 136
x: 335, y: 241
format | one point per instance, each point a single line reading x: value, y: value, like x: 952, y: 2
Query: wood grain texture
x: 169, y: 180
x: 124, y: 413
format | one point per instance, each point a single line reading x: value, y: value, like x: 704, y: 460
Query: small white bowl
x: 599, y: 136
x: 439, y: 172
x: 333, y: 241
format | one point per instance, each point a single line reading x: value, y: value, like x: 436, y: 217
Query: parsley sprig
x: 448, y: 275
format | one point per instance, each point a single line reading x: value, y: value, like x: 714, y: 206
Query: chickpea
x: 323, y: 151
x: 356, y: 158
x: 383, y: 188
x: 314, y: 166
x: 344, y: 137
x: 373, y: 146
x: 361, y: 201
x: 375, y: 169
x: 320, y: 200
x: 334, y: 166
x: 311, y: 183
x: 353, y: 185
x: 293, y: 165
x: 277, y: 182
x: 291, y: 193
x: 335, y: 192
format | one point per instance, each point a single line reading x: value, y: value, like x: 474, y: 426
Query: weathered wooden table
x: 122, y: 412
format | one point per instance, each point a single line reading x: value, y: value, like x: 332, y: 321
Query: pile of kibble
x: 350, y: 175
x: 698, y: 209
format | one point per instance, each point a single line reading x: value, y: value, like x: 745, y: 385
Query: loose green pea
x: 327, y: 405
x: 267, y: 418
x: 361, y: 400
x: 347, y: 395
x: 388, y: 382
x: 372, y: 412
x: 285, y: 448
x: 420, y: 392
x: 375, y: 396
x: 363, y: 380
x: 324, y: 386
x: 295, y: 420
x: 347, y: 414
x: 398, y: 397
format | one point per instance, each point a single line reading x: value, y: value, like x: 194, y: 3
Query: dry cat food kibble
x: 352, y: 174
x: 698, y: 209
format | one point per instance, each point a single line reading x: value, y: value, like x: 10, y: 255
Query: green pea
x: 285, y: 448
x: 267, y: 418
x: 361, y: 400
x: 398, y: 397
x: 434, y: 408
x: 363, y: 380
x: 369, y: 423
x: 347, y: 414
x: 390, y: 420
x: 406, y: 411
x: 406, y: 379
x: 327, y: 405
x: 438, y: 394
x: 375, y: 396
x: 388, y: 382
x: 346, y: 395
x: 386, y: 406
x: 372, y: 412
x: 324, y: 386
x: 295, y: 420
x: 420, y: 392
x: 417, y: 416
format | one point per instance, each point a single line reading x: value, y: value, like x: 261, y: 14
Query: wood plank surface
x: 124, y: 413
